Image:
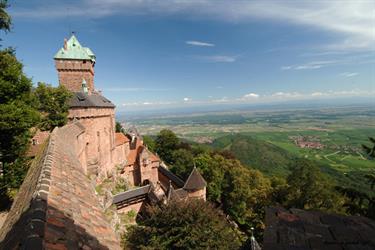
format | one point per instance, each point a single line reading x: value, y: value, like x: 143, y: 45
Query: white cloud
x: 286, y: 95
x: 217, y: 58
x: 318, y: 94
x: 251, y: 96
x: 352, y: 21
x: 201, y: 44
x: 257, y: 98
x: 310, y: 65
x: 349, y: 74
x: 146, y: 103
x: 221, y: 100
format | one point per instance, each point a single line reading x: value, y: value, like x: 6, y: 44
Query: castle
x: 102, y: 151
x: 57, y: 206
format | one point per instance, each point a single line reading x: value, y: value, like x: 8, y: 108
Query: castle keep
x: 57, y: 206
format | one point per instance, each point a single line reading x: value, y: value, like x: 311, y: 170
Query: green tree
x: 310, y: 189
x: 183, y: 163
x: 53, y: 105
x: 5, y: 20
x: 213, y: 168
x: 149, y: 142
x: 370, y: 151
x: 17, y: 112
x: 166, y: 142
x: 17, y: 116
x: 183, y: 225
x: 246, y: 193
x: 118, y: 127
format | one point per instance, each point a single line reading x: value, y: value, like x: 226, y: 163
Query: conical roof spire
x: 195, y: 181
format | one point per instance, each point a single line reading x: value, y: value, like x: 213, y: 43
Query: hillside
x: 273, y: 160
x: 262, y: 155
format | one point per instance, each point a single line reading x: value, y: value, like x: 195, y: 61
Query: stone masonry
x: 56, y: 207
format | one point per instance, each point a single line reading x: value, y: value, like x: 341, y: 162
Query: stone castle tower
x: 75, y: 66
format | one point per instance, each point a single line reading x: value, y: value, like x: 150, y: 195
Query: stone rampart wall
x: 56, y: 207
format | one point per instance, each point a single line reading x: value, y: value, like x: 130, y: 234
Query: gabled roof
x: 81, y: 99
x: 74, y: 50
x: 130, y: 194
x: 120, y: 139
x: 195, y: 181
x: 177, y: 181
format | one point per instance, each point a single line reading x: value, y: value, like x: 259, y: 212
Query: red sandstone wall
x: 149, y: 170
x: 120, y: 155
x: 131, y: 173
x: 71, y: 73
x: 200, y: 194
x: 96, y: 147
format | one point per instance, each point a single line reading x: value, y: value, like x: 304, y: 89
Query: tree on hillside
x: 183, y: 225
x: 246, y: 193
x: 53, y: 105
x: 370, y: 151
x: 165, y: 143
x: 5, y: 20
x: 17, y: 115
x: 213, y: 169
x: 310, y: 189
x: 118, y: 128
x: 149, y: 142
x: 17, y: 108
x: 183, y: 163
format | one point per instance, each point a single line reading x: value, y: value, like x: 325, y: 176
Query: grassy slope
x: 274, y: 159
x: 262, y: 155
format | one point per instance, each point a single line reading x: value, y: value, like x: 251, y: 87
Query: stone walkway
x: 3, y: 216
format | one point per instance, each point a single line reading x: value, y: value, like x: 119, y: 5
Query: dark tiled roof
x: 56, y: 207
x: 130, y: 194
x: 300, y: 229
x: 182, y: 194
x: 195, y: 181
x: 177, y: 181
x: 81, y: 99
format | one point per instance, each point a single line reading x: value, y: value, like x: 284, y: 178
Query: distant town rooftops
x: 74, y: 50
x: 81, y: 99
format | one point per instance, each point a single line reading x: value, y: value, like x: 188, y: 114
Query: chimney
x: 65, y: 44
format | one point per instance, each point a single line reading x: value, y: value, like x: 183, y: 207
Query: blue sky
x: 172, y: 53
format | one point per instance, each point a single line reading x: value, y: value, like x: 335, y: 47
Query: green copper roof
x: 74, y: 50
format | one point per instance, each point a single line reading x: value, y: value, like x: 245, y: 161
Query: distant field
x: 341, y: 131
